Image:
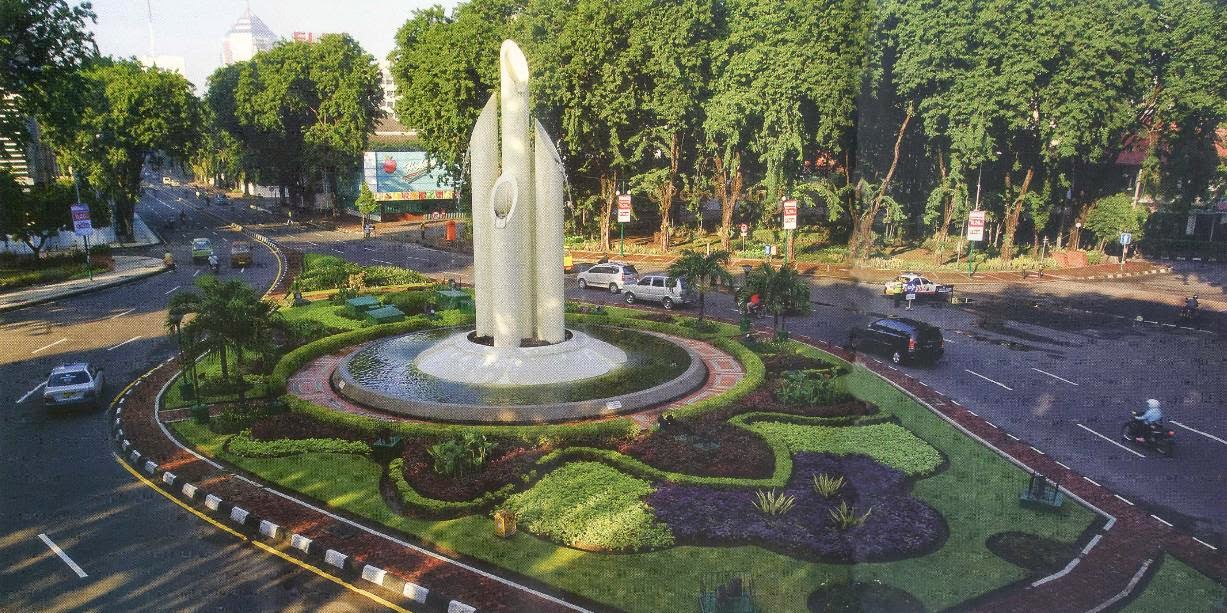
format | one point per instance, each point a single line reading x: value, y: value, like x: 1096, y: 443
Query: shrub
x: 773, y: 503
x: 460, y: 455
x: 412, y: 302
x: 236, y: 418
x: 705, y: 446
x: 1094, y: 258
x: 392, y: 275
x: 508, y: 464
x: 593, y: 507
x: 243, y: 444
x: 811, y: 387
x: 827, y: 485
x: 887, y: 443
x: 845, y: 517
x: 303, y: 331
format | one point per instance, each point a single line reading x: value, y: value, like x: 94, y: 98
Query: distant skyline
x: 194, y: 30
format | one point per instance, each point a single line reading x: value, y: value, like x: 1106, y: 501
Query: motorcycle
x: 1189, y: 311
x: 214, y: 266
x: 1155, y: 436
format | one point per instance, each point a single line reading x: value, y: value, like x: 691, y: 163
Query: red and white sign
x: 975, y: 226
x: 81, y: 224
x: 624, y: 208
x: 790, y: 214
x: 745, y: 229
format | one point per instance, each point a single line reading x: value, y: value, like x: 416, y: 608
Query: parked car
x: 240, y: 254
x: 924, y: 289
x: 667, y: 291
x: 902, y: 339
x: 202, y: 248
x: 613, y: 275
x: 77, y: 384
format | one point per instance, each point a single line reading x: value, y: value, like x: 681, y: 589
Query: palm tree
x: 700, y: 269
x: 227, y: 315
x: 782, y: 290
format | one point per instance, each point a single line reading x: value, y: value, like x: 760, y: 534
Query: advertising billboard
x: 404, y: 175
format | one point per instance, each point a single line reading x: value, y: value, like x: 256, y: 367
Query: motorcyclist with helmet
x: 1148, y: 421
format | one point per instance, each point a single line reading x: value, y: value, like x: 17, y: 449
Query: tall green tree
x: 34, y: 215
x: 228, y: 316
x: 130, y: 113
x: 44, y: 44
x: 700, y: 270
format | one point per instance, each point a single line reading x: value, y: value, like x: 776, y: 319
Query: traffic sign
x: 745, y: 229
x: 624, y: 208
x: 81, y: 224
x: 975, y: 226
x: 1126, y: 238
x: 790, y: 214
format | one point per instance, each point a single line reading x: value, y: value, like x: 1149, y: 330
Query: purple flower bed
x: 900, y: 525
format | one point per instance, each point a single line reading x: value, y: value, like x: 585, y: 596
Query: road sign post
x: 624, y: 217
x: 745, y: 229
x: 81, y: 226
x: 975, y: 232
x: 790, y: 224
x: 1125, y: 240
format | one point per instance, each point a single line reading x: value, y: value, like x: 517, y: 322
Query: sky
x: 194, y: 29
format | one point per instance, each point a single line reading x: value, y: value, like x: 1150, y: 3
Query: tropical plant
x: 811, y: 388
x: 845, y: 516
x: 782, y: 290
x: 699, y: 270
x: 774, y: 503
x: 366, y: 202
x: 461, y: 454
x: 827, y: 485
x: 227, y: 316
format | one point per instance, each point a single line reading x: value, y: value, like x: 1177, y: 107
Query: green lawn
x: 324, y: 312
x: 977, y: 493
x: 211, y: 367
x: 1177, y: 582
x: 13, y: 278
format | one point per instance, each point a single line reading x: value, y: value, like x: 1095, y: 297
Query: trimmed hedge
x: 242, y: 444
x: 746, y: 419
x: 890, y: 444
x: 441, y: 509
x: 593, y: 507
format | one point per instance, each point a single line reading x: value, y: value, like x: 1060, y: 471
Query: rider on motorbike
x: 168, y: 260
x: 213, y: 263
x: 1190, y: 304
x: 1149, y: 420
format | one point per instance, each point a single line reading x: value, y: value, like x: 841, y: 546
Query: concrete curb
x: 336, y: 562
x: 82, y: 290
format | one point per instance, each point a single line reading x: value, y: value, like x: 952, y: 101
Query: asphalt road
x: 59, y: 478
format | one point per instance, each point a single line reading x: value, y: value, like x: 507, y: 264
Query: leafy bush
x: 811, y: 387
x: 392, y: 275
x: 460, y: 455
x: 243, y: 444
x: 593, y: 507
x: 303, y: 331
x: 509, y: 464
x: 827, y: 485
x: 324, y: 272
x: 888, y: 443
x: 773, y: 503
x: 1094, y: 258
x: 900, y: 526
x: 236, y: 418
x: 845, y: 517
x: 412, y: 302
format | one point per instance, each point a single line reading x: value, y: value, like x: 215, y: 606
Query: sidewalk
x: 127, y: 268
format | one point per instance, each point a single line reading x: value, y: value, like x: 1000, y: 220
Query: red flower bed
x: 509, y: 465
x: 705, y: 446
x: 295, y: 426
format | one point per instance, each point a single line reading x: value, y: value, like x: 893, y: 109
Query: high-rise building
x: 247, y: 37
x: 389, y: 88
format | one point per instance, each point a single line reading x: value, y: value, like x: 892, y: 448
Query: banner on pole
x: 975, y: 226
x: 81, y: 225
x: 624, y: 208
x: 790, y: 214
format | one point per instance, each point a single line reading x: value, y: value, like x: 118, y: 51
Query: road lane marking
x: 367, y: 249
x: 1205, y: 543
x: 31, y: 392
x: 172, y: 289
x: 121, y: 314
x: 991, y: 424
x: 391, y: 264
x: 195, y: 273
x: 1123, y: 499
x: 242, y: 270
x: 49, y: 346
x: 63, y: 556
x: 1062, y: 465
x: 1012, y: 437
x: 1109, y: 440
x: 338, y: 250
x: 124, y: 343
x: 1053, y: 376
x: 1036, y: 450
x: 312, y: 244
x: 1092, y: 481
x: 1192, y: 429
x: 989, y: 380
x: 1161, y: 520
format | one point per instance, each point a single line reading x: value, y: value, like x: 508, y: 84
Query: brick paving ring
x: 710, y: 372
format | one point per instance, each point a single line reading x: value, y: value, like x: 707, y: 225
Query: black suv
x: 904, y: 340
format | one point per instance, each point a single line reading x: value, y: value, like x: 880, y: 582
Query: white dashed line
x: 989, y: 380
x: 1192, y: 429
x: 1037, y: 450
x: 49, y: 346
x: 123, y: 343
x: 31, y: 392
x: 1161, y: 520
x: 1123, y: 499
x: 1062, y: 465
x: 1109, y: 440
x: 338, y: 250
x: 367, y: 249
x: 171, y: 290
x: 1092, y: 481
x: 1205, y: 543
x: 1053, y: 376
x: 385, y: 262
x: 993, y: 425
x: 121, y: 314
x: 63, y: 556
x: 1012, y: 437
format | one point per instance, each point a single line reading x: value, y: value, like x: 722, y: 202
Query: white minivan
x: 613, y: 275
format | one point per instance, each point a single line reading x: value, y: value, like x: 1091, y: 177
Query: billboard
x: 404, y: 175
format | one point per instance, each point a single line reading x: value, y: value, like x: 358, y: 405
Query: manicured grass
x: 886, y: 443
x: 324, y: 312
x: 1178, y: 586
x: 17, y: 278
x: 209, y: 367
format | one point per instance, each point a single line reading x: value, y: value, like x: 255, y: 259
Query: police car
x: 924, y: 287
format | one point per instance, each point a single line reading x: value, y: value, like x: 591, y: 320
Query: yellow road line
x: 132, y: 383
x: 262, y: 546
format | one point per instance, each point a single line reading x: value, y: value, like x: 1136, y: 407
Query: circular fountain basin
x: 465, y: 381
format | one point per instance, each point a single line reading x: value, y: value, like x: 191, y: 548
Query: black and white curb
x: 338, y: 562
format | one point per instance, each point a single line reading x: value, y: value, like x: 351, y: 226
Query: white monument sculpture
x: 517, y: 187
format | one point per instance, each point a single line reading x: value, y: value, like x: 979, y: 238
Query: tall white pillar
x: 547, y: 166
x: 518, y: 164
x: 484, y: 170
